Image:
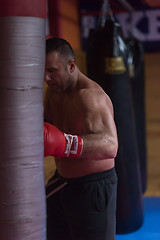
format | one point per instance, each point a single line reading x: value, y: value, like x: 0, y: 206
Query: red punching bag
x: 22, y: 57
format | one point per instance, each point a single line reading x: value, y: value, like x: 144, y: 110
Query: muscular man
x: 80, y: 132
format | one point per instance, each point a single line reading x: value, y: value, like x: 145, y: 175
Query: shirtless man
x: 80, y: 133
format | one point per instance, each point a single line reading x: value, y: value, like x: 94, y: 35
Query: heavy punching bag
x: 137, y: 76
x: 107, y: 65
x: 22, y: 58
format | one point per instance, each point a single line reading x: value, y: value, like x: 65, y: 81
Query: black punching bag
x: 137, y: 76
x: 107, y: 65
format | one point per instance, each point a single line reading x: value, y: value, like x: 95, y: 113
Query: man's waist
x: 78, y: 168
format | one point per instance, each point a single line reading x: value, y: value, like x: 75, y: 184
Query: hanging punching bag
x: 136, y: 73
x: 22, y: 58
x: 107, y: 65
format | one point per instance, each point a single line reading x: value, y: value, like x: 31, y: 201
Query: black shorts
x: 83, y: 208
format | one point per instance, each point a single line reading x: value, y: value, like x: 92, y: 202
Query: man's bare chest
x: 67, y: 115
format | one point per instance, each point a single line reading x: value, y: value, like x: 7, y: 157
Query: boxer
x: 80, y: 132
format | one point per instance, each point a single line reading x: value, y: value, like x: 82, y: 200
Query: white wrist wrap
x: 74, y: 145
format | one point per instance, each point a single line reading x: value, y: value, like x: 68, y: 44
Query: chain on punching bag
x: 107, y: 65
x: 136, y: 73
x: 22, y: 57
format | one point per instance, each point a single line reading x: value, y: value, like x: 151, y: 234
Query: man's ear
x: 71, y: 66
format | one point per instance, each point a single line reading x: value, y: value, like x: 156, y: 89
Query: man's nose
x: 47, y: 78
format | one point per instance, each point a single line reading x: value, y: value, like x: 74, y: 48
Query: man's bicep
x: 99, y: 118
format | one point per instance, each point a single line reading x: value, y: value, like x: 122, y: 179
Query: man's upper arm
x: 100, y: 115
x: 101, y: 135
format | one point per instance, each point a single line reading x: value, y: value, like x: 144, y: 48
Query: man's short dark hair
x: 61, y: 46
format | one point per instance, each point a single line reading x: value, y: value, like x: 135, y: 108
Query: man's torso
x: 68, y: 113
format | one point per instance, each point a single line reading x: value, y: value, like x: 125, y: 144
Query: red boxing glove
x: 59, y: 144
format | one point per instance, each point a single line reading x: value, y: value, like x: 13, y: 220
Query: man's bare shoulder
x: 92, y: 89
x: 92, y: 95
